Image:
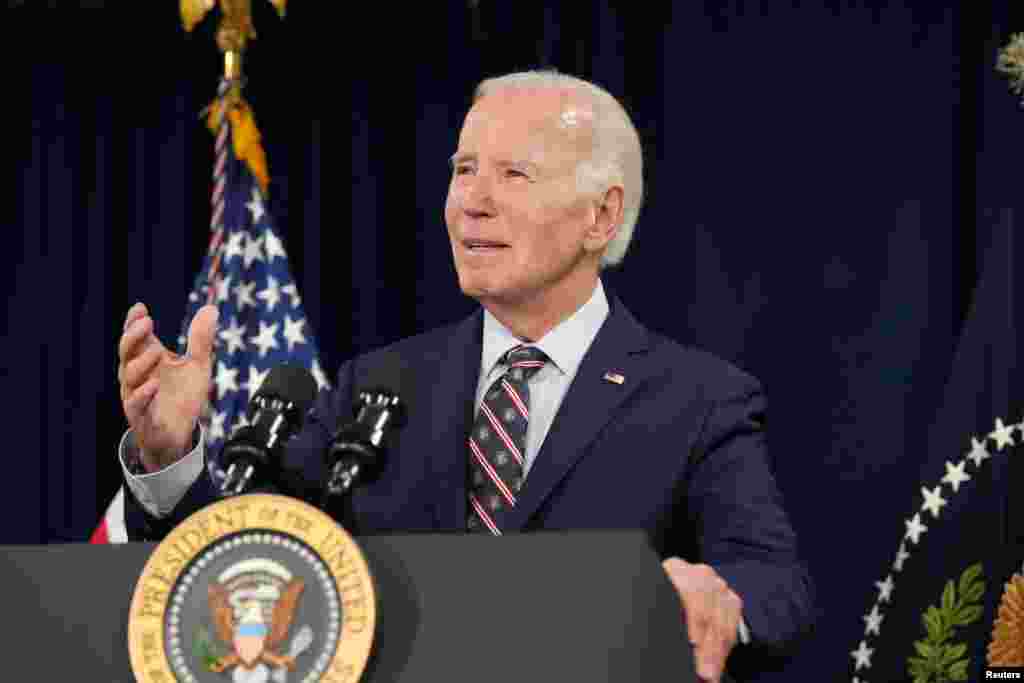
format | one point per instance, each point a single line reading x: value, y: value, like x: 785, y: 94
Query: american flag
x: 262, y: 324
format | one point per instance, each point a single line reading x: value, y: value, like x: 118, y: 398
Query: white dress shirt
x: 159, y: 492
x: 565, y: 346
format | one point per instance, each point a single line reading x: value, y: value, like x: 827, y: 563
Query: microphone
x: 276, y: 412
x: 356, y: 453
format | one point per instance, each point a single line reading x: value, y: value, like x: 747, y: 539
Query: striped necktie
x: 497, y: 442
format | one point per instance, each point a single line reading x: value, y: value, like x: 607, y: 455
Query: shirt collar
x: 565, y: 344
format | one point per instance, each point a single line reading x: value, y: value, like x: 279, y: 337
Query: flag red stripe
x: 112, y: 527
x: 100, y: 537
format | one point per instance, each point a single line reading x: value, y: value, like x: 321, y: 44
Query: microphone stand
x: 356, y: 453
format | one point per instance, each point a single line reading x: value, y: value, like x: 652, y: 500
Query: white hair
x: 616, y: 157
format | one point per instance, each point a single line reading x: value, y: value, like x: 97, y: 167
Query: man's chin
x: 478, y: 292
x: 484, y: 293
x: 493, y: 290
x: 475, y: 286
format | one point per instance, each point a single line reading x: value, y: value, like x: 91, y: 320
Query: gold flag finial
x: 234, y: 32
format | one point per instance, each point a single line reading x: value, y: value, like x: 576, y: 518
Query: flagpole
x: 231, y: 38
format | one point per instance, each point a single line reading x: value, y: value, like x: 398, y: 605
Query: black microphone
x: 357, y: 452
x: 276, y: 412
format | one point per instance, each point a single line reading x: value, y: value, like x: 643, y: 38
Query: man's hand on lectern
x: 163, y: 393
x: 713, y: 613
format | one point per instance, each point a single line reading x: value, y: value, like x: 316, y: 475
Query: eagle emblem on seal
x: 252, y: 607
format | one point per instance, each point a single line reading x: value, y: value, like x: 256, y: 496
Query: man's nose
x: 478, y: 200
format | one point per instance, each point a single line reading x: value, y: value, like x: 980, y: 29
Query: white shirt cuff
x: 159, y: 492
x: 744, y: 632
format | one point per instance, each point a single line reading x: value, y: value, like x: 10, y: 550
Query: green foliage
x: 938, y: 660
x: 205, y: 649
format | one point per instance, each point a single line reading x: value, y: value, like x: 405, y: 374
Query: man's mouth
x: 476, y: 245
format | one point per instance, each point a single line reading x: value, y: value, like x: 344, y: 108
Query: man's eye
x: 463, y: 170
x: 515, y: 173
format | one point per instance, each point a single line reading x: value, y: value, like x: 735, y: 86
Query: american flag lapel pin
x: 614, y: 377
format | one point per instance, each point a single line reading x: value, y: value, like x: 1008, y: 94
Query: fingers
x: 683, y: 576
x: 137, y: 332
x: 139, y: 351
x: 137, y: 401
x: 134, y: 313
x: 719, y: 638
x: 201, y: 333
x: 697, y: 620
x: 136, y: 371
x: 712, y: 611
x: 708, y: 658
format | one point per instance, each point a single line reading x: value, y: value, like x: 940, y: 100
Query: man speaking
x: 551, y: 407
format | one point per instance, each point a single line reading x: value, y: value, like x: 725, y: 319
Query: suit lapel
x: 590, y: 402
x: 451, y: 414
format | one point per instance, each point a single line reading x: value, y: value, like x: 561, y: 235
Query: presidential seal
x: 253, y: 589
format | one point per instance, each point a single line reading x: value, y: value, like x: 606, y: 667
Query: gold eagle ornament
x: 243, y: 627
x: 1007, y: 646
x: 236, y: 25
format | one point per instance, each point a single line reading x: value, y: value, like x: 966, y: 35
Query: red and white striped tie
x: 497, y: 441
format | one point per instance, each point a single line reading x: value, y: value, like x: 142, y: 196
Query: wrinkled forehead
x: 530, y: 121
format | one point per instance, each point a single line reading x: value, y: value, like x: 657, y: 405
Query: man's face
x: 516, y: 221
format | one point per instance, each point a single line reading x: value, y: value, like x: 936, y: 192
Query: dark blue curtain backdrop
x: 824, y: 180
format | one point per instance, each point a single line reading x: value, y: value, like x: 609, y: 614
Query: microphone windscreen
x: 292, y: 383
x: 389, y: 373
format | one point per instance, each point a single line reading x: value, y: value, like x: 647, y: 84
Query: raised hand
x: 163, y: 393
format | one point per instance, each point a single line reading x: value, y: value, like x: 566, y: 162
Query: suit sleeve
x: 742, y: 527
x: 302, y: 464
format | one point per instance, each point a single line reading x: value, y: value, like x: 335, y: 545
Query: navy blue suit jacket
x: 677, y: 449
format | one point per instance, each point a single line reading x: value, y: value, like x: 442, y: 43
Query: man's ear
x: 607, y: 219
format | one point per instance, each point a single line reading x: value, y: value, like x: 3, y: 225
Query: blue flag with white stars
x: 930, y: 610
x: 262, y: 324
